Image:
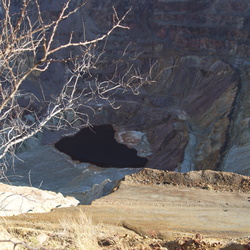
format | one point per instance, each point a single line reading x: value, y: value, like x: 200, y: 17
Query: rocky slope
x: 196, y: 113
x: 58, y: 173
x: 16, y: 200
x: 195, y: 116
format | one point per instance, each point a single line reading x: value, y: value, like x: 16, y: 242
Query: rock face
x: 236, y: 154
x: 46, y: 168
x: 134, y: 139
x: 20, y: 200
x: 196, y: 113
x: 199, y: 101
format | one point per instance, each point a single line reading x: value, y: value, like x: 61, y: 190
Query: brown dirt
x: 162, y: 210
x: 206, y: 179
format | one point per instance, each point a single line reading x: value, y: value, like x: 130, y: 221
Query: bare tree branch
x: 22, y: 38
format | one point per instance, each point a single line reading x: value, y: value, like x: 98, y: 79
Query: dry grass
x: 8, y: 241
x: 79, y: 233
x: 72, y: 233
x: 82, y: 232
x: 4, y: 235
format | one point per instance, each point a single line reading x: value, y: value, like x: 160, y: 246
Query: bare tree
x: 29, y: 45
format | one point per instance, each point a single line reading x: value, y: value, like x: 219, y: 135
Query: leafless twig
x: 29, y: 45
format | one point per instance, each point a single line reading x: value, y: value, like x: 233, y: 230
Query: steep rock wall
x: 196, y: 114
x: 201, y: 48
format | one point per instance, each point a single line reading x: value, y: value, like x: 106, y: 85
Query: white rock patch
x: 16, y: 200
x: 134, y: 139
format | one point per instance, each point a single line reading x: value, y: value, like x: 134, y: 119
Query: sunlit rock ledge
x: 16, y: 200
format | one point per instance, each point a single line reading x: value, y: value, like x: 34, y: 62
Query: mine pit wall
x: 237, y: 155
x: 196, y: 115
x: 193, y: 112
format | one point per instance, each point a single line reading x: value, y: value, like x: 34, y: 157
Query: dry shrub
x: 82, y: 231
x: 4, y: 235
x: 8, y: 241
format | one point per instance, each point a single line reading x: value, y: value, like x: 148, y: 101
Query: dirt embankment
x: 155, y: 209
x: 207, y: 179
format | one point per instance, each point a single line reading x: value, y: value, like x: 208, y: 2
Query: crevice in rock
x: 231, y: 118
x: 98, y: 146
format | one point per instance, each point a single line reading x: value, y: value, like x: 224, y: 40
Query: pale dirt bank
x: 148, y: 210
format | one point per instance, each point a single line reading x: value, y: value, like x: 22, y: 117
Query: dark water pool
x: 99, y: 147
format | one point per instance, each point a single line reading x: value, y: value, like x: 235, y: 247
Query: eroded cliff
x: 196, y: 113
